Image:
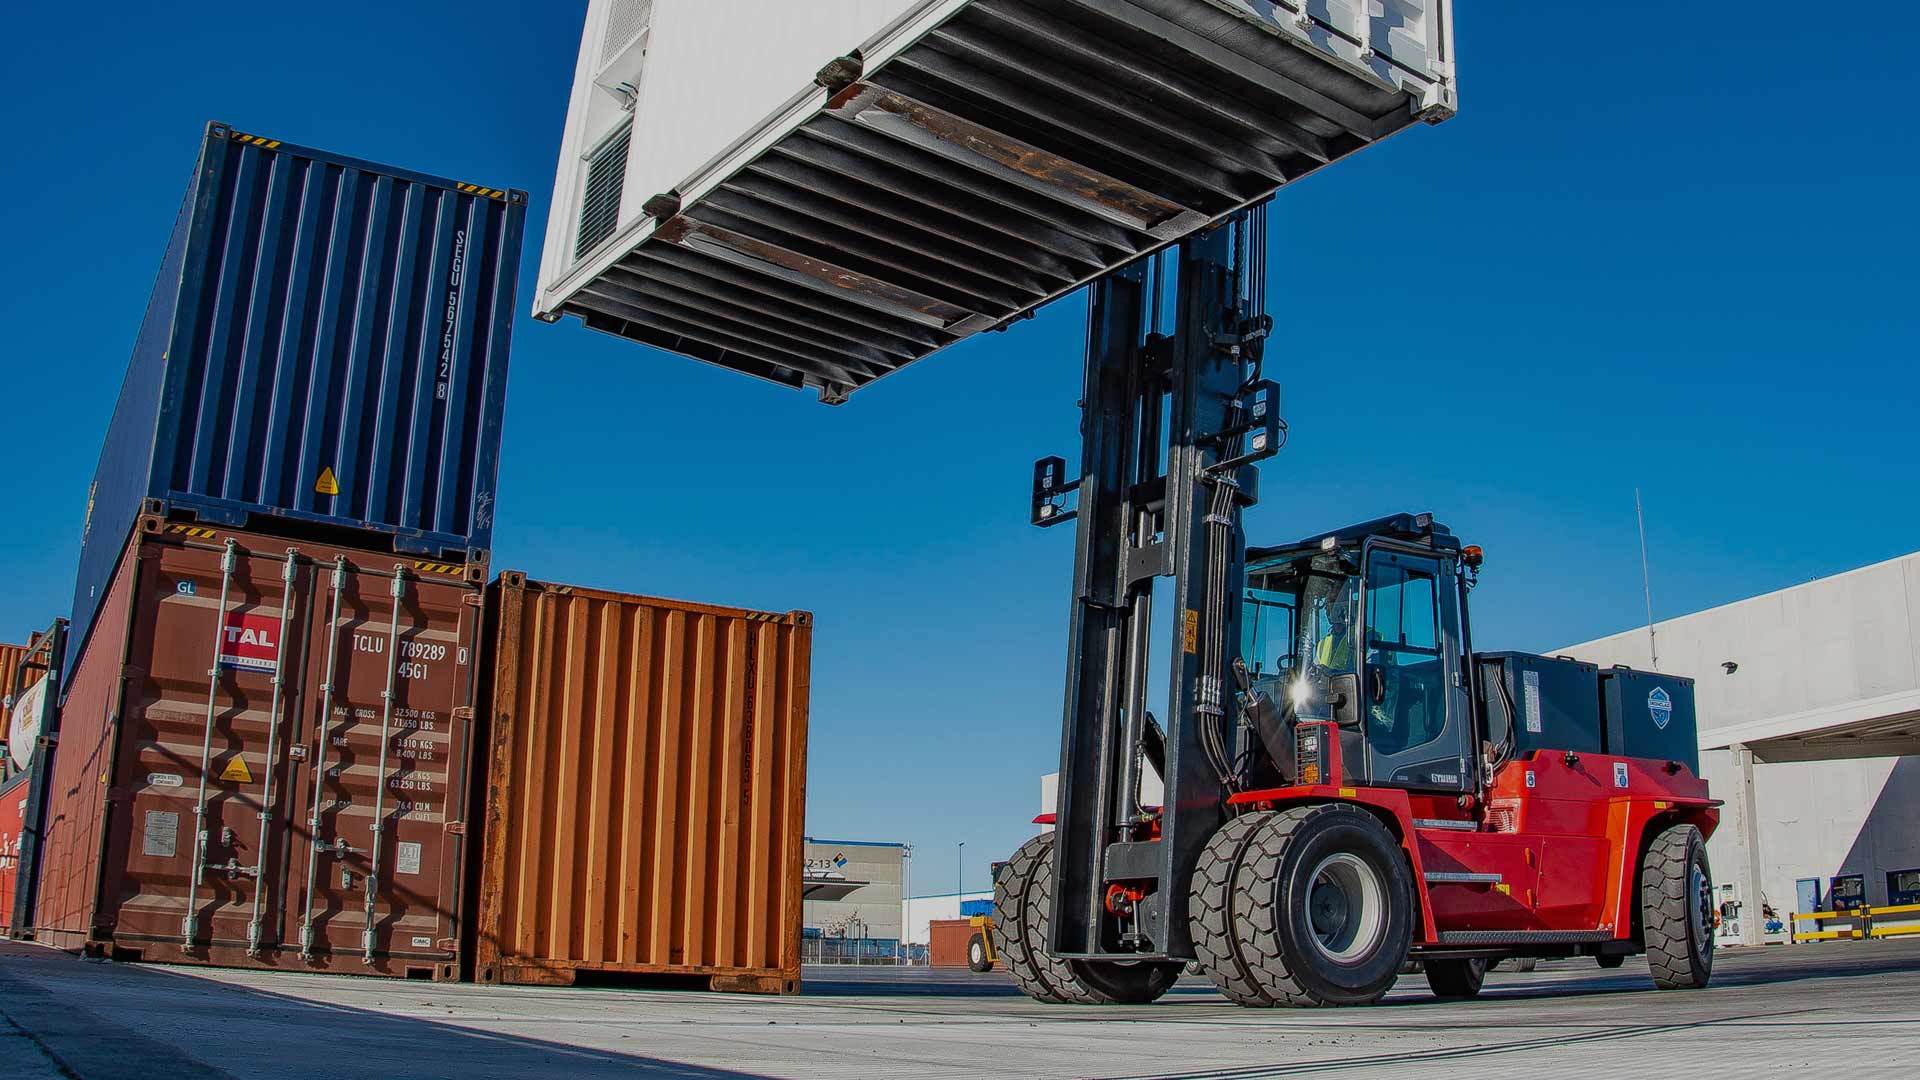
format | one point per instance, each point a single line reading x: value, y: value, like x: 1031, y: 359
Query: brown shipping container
x: 645, y: 791
x: 10, y: 657
x: 180, y: 670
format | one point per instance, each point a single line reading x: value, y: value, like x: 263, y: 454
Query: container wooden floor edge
x: 521, y: 973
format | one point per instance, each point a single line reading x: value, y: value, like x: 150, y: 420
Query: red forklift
x: 1348, y: 785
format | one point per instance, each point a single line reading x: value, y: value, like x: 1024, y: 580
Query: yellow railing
x: 1865, y: 920
x: 1909, y: 925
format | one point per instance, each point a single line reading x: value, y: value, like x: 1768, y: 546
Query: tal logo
x: 250, y: 642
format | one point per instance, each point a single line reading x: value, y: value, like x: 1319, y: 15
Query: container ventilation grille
x: 606, y: 177
x: 625, y: 23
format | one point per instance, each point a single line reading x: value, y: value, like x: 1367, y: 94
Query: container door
x: 212, y: 626
x: 377, y: 875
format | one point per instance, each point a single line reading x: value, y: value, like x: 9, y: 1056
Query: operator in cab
x: 1335, y: 654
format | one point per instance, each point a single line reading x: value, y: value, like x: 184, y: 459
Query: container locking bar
x: 320, y: 762
x: 399, y: 591
x: 255, y: 928
x: 190, y: 926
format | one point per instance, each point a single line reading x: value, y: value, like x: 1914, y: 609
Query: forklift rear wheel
x: 1676, y: 909
x: 977, y: 954
x: 1323, y: 906
x: 1610, y: 960
x: 1456, y: 978
x: 1023, y: 903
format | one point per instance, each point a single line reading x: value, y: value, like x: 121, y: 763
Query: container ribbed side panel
x: 646, y: 789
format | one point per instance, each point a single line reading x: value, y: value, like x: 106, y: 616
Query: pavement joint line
x: 1252, y: 1072
x: 51, y: 1058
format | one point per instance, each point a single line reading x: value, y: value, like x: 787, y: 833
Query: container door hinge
x: 473, y: 599
x: 456, y: 828
x: 446, y: 944
x: 463, y: 712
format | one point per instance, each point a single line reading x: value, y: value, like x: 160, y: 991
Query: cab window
x: 1403, y: 655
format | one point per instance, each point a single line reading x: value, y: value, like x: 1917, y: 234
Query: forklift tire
x: 1677, y: 909
x: 977, y: 961
x: 1323, y: 906
x: 1023, y: 904
x: 1456, y: 978
x: 1610, y: 960
x: 1210, y: 912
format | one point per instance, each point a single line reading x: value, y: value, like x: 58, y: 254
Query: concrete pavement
x: 1848, y: 1006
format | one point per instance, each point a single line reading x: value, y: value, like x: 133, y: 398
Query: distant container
x: 645, y: 792
x: 324, y: 355
x: 1650, y: 716
x: 359, y: 757
x: 970, y: 908
x: 29, y: 673
x: 947, y: 942
x: 819, y: 194
x: 1548, y: 703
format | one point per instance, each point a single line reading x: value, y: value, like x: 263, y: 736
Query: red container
x: 13, y: 814
x: 174, y: 707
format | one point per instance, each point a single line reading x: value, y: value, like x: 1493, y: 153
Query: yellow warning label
x: 1190, y: 631
x: 327, y: 485
x: 237, y: 772
x: 1504, y: 889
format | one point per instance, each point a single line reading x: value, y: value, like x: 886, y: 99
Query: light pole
x: 906, y: 905
x: 959, y: 876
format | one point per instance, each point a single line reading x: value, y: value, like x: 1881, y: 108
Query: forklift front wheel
x: 1323, y: 906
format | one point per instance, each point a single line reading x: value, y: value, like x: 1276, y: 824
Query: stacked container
x: 646, y: 790
x: 280, y: 587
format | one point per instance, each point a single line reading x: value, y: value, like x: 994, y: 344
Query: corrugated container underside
x: 326, y: 346
x: 646, y: 789
x: 1014, y: 152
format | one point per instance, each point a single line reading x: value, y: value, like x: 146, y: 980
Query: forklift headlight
x: 1301, y: 694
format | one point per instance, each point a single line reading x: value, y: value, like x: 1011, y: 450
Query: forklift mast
x: 1171, y: 427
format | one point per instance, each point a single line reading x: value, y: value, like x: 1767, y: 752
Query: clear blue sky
x: 1667, y: 251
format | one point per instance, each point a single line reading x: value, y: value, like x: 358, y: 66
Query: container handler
x: 1348, y: 786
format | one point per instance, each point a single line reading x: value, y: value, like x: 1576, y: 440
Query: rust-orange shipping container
x: 230, y: 672
x: 645, y: 790
x: 947, y: 942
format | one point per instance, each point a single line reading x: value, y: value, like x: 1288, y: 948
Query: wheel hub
x: 1346, y: 908
x: 1701, y: 890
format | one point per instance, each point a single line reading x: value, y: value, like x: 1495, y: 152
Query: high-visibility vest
x: 1334, y: 652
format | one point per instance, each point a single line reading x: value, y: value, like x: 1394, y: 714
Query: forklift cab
x: 1366, y: 627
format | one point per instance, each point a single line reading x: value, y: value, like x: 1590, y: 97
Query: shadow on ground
x: 212, y: 1027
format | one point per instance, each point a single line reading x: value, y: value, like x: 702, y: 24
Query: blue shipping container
x: 325, y: 350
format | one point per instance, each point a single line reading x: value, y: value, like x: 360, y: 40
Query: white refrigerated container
x: 821, y: 192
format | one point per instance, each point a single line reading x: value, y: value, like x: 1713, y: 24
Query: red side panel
x: 1555, y: 847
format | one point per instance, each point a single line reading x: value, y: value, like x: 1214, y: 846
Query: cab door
x: 1414, y: 705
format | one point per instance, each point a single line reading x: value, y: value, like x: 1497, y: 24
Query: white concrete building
x: 1809, y: 705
